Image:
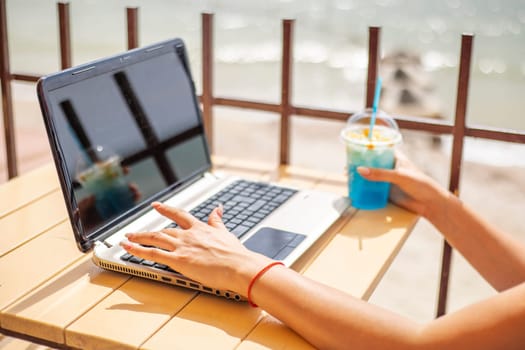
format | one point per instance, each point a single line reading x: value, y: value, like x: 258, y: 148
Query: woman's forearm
x: 328, y: 318
x: 497, y: 256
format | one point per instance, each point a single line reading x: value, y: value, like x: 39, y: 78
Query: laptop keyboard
x: 246, y: 204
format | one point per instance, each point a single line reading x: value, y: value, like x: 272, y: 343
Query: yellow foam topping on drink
x: 381, y: 136
x: 362, y: 134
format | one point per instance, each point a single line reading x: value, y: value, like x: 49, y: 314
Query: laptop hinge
x: 99, y: 243
x: 209, y: 175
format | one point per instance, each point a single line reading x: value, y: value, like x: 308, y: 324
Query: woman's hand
x: 411, y: 188
x: 207, y: 253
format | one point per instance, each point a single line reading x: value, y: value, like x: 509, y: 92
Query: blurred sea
x: 330, y: 49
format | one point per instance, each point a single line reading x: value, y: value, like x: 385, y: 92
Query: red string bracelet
x: 256, y: 277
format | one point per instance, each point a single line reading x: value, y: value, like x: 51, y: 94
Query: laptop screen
x: 126, y: 130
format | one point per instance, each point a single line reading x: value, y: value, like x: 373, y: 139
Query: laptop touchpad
x: 274, y: 243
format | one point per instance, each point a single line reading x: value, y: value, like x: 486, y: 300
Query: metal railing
x: 285, y: 108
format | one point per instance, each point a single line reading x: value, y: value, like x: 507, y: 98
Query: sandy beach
x: 410, y: 285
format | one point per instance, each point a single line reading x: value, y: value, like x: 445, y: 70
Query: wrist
x: 437, y: 207
x: 247, y: 268
x: 256, y: 277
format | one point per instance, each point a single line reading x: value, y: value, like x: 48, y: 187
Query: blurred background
x: 330, y: 61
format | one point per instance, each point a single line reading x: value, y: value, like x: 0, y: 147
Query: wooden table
x: 52, y: 294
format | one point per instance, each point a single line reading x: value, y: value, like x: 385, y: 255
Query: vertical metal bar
x: 458, y: 135
x: 286, y: 90
x: 373, y: 63
x: 7, y: 98
x: 133, y: 24
x: 207, y: 76
x: 65, y: 35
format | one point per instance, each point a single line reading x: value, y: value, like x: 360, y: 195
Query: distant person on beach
x: 331, y: 319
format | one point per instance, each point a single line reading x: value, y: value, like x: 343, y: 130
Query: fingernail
x: 363, y: 170
x: 220, y: 209
x: 156, y: 204
x: 125, y: 245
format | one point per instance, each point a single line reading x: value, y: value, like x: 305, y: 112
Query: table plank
x: 207, y: 322
x: 47, y: 311
x: 128, y: 316
x: 363, y: 250
x: 336, y: 183
x: 219, y: 161
x: 31, y: 220
x: 26, y: 188
x: 272, y: 334
x: 10, y: 343
x: 35, y: 262
x: 292, y: 176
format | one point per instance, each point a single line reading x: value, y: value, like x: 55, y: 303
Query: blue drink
x: 366, y: 194
x: 377, y: 152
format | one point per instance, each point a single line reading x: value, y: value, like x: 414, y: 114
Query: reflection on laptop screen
x: 127, y: 134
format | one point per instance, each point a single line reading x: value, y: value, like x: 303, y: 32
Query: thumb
x: 215, y: 218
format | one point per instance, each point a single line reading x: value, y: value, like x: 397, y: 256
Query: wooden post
x: 7, y: 98
x: 286, y: 90
x: 373, y: 63
x: 65, y: 35
x: 133, y: 24
x: 207, y: 76
x: 458, y: 135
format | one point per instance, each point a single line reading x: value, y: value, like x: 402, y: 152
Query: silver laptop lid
x: 124, y: 131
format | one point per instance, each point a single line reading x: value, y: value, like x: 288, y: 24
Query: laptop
x: 126, y: 131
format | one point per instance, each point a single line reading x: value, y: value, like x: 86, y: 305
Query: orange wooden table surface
x: 52, y: 293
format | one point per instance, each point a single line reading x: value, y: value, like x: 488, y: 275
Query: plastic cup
x: 374, y: 152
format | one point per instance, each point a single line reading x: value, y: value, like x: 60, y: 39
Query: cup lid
x: 385, y: 131
x: 364, y: 117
